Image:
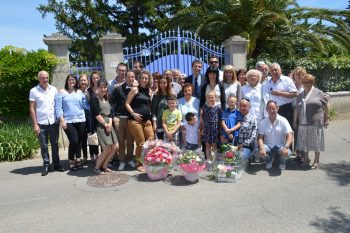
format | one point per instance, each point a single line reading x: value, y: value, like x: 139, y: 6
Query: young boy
x: 190, y: 132
x: 230, y: 122
x: 171, y: 119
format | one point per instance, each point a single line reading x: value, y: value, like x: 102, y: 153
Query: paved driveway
x: 296, y: 201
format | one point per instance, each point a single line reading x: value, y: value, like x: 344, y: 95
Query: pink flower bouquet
x: 157, y: 158
x: 192, y: 163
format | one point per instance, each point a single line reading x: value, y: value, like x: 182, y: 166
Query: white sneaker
x: 132, y: 164
x: 282, y: 167
x: 121, y: 167
x: 269, y: 164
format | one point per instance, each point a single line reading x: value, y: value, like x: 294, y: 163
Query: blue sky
x: 22, y: 26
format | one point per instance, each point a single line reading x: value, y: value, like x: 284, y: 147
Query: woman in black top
x: 138, y: 105
x: 212, y: 84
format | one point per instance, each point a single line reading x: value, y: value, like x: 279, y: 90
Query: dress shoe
x: 59, y: 169
x: 45, y: 171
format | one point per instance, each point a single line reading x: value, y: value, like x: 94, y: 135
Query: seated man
x: 274, y: 137
x: 248, y: 130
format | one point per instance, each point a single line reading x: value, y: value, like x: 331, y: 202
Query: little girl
x: 210, y: 119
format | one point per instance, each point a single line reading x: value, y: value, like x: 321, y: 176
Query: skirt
x: 310, y: 138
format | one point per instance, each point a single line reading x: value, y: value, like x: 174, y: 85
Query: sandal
x: 108, y: 170
x: 99, y: 172
x: 315, y: 166
x: 140, y: 168
x: 72, y: 166
x: 79, y: 164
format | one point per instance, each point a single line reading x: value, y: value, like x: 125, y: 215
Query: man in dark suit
x: 196, y: 79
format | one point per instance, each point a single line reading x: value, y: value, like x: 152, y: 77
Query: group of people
x: 261, y: 111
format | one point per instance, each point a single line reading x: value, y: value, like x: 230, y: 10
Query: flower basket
x: 191, y: 163
x: 157, y: 158
x: 228, y: 165
x: 156, y: 172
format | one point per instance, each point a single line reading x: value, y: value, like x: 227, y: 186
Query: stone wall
x: 340, y: 101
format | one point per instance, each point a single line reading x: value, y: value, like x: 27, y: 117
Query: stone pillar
x: 112, y: 53
x: 236, y: 49
x: 59, y: 44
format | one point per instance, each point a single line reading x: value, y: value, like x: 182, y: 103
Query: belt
x: 123, y: 117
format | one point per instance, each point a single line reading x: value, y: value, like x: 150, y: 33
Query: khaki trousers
x: 141, y: 132
x: 125, y: 139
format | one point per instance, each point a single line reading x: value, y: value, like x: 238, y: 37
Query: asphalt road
x: 297, y: 200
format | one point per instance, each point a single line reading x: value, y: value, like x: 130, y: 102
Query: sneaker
x: 132, y: 164
x: 269, y: 164
x: 282, y: 167
x: 121, y: 167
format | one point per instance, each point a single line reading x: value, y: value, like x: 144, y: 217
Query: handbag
x: 92, y: 139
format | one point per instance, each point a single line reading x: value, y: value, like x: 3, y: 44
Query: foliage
x: 276, y: 26
x: 332, y: 74
x: 18, y: 74
x: 17, y: 142
x: 86, y: 21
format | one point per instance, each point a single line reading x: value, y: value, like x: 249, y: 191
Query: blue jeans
x: 247, y: 153
x: 274, y: 152
x: 45, y: 132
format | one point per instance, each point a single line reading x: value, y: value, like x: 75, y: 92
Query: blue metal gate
x: 174, y: 49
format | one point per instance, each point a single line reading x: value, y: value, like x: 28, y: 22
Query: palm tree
x: 266, y: 24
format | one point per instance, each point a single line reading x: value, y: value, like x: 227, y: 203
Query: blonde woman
x: 231, y: 85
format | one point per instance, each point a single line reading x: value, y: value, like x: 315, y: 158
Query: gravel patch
x: 107, y: 180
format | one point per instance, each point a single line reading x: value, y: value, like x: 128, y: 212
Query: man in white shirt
x: 119, y: 79
x: 275, y: 136
x: 45, y: 125
x: 281, y: 89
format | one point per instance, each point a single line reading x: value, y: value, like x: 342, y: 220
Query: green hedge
x: 332, y: 74
x: 18, y: 74
x: 17, y: 141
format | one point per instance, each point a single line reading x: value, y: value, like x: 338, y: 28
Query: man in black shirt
x: 120, y: 121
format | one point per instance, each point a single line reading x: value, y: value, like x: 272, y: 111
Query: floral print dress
x: 211, y: 119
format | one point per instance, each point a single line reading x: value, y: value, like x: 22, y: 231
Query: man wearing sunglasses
x: 214, y: 62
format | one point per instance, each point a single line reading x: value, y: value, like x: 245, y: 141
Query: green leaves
x: 17, y: 142
x: 18, y: 74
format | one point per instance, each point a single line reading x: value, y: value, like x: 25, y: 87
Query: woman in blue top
x: 69, y: 105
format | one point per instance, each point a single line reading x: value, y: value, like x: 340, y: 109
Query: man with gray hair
x: 281, y: 89
x: 45, y: 124
x: 259, y: 64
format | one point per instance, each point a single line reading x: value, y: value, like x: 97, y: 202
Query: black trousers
x: 75, y: 133
x: 286, y: 111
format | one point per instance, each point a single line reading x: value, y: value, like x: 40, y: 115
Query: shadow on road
x: 337, y: 222
x: 339, y: 172
x: 28, y: 170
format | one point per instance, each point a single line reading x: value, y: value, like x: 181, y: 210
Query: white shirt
x: 191, y: 132
x: 191, y: 106
x: 45, y: 104
x: 176, y: 88
x: 284, y: 83
x: 255, y: 96
x: 221, y: 75
x: 274, y: 134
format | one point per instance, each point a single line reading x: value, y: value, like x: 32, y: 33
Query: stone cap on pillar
x: 111, y: 37
x: 57, y: 38
x: 235, y: 40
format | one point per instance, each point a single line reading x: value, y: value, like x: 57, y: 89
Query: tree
x: 86, y: 21
x: 269, y: 25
